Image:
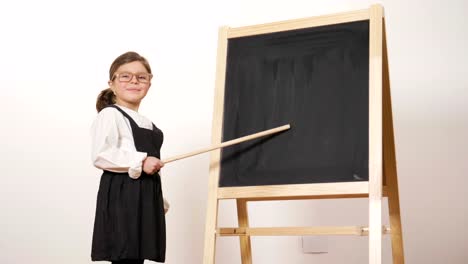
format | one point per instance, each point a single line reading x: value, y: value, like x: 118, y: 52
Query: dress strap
x: 132, y: 122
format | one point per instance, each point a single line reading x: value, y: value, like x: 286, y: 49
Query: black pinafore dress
x: 130, y: 221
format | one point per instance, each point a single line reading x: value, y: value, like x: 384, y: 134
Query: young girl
x: 129, y: 225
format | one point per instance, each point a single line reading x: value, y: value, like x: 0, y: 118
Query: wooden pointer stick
x: 229, y: 143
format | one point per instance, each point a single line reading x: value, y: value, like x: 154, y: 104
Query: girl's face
x: 130, y: 84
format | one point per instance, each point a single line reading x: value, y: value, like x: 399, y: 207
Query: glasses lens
x: 143, y: 77
x: 125, y: 76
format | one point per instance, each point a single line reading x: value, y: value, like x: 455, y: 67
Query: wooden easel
x: 382, y: 163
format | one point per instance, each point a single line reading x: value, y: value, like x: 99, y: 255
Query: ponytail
x: 105, y: 98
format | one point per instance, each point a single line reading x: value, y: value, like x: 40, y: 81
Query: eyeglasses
x: 141, y: 77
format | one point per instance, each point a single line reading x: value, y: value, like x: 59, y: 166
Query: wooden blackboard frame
x: 382, y: 163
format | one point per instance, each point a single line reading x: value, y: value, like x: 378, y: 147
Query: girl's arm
x: 112, y: 145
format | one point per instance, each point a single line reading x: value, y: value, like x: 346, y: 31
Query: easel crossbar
x: 295, y: 190
x: 297, y: 231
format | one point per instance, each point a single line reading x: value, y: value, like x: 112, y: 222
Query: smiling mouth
x: 133, y: 90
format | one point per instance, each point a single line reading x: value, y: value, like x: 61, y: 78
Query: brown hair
x: 106, y: 97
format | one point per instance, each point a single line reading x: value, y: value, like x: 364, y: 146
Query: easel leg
x: 213, y: 202
x: 375, y: 231
x: 210, y: 229
x: 243, y: 218
x: 389, y: 157
x: 375, y: 134
x: 395, y: 225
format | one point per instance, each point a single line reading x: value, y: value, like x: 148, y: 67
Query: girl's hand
x: 152, y: 164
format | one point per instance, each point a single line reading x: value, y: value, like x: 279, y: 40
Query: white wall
x: 54, y: 58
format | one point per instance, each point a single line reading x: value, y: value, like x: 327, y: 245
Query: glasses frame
x: 117, y: 75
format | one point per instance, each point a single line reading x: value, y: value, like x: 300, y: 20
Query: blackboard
x: 317, y: 80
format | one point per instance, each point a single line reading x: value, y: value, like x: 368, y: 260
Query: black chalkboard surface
x: 317, y: 80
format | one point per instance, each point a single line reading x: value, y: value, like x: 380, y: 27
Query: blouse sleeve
x: 108, y: 152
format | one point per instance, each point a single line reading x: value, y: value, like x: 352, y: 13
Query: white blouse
x: 113, y: 148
